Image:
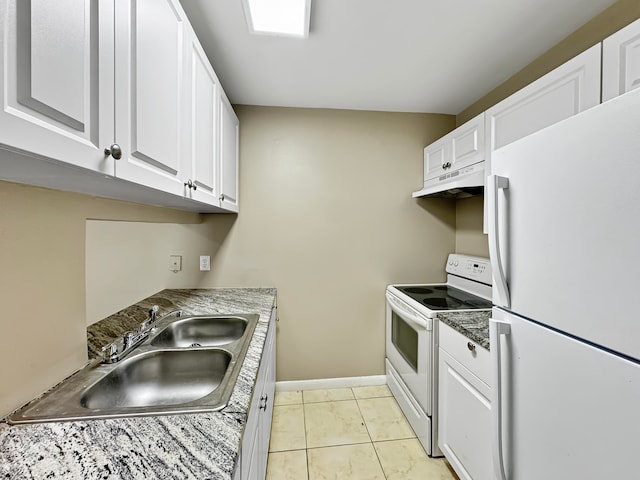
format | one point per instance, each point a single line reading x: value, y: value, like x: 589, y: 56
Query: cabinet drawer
x: 470, y: 354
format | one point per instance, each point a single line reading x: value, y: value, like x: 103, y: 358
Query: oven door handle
x: 413, y: 317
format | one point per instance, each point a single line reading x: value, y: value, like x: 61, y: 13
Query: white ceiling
x: 435, y: 56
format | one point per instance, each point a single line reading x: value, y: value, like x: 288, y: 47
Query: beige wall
x: 469, y: 237
x: 327, y: 217
x: 42, y: 282
x: 611, y: 20
x: 128, y: 261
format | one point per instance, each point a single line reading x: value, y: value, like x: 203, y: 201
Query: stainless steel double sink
x: 188, y: 364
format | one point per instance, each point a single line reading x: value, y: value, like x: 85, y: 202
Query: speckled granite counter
x: 473, y: 325
x: 190, y: 446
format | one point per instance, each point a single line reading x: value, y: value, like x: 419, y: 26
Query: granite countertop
x: 188, y: 446
x: 472, y: 324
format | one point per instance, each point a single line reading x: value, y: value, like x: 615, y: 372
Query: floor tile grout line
x: 306, y: 442
x: 371, y: 442
x: 339, y: 445
x: 307, y: 448
x: 371, y: 438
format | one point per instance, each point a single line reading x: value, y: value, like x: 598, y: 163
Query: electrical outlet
x: 205, y: 263
x: 175, y: 263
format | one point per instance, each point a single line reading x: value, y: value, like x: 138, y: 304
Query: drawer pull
x: 471, y: 347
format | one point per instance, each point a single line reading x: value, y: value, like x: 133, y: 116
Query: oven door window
x: 405, y: 339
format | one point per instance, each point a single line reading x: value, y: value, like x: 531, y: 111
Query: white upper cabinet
x: 202, y: 153
x: 150, y: 72
x: 569, y: 89
x: 467, y: 143
x: 229, y: 129
x: 57, y: 80
x: 82, y: 76
x: 621, y: 62
x: 436, y: 157
x: 462, y: 147
x: 562, y: 93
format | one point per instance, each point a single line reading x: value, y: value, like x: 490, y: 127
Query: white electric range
x: 412, y: 338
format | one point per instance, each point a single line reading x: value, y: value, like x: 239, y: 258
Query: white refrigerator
x: 564, y: 238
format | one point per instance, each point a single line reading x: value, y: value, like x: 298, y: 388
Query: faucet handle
x: 151, y: 320
x: 110, y: 352
x: 129, y: 339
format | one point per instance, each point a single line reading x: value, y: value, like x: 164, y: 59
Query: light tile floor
x: 346, y: 434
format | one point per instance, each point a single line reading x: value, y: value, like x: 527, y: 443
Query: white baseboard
x: 324, y: 383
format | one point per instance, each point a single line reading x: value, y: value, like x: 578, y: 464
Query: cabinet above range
x: 455, y: 165
x: 115, y: 99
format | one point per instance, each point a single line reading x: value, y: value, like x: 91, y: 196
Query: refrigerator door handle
x: 496, y: 329
x: 495, y: 183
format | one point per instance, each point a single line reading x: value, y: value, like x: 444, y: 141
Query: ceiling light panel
x: 278, y: 17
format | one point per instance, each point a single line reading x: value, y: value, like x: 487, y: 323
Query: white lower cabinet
x: 257, y: 431
x: 464, y: 411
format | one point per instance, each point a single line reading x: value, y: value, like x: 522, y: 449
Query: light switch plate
x: 175, y: 263
x: 205, y: 263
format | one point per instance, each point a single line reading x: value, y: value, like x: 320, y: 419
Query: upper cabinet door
x: 229, y: 145
x: 467, y: 143
x: 621, y: 62
x: 202, y: 139
x: 150, y: 77
x: 569, y: 89
x: 56, y: 76
x: 562, y: 93
x: 436, y: 157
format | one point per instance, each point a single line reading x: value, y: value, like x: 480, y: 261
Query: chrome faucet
x: 148, y: 323
x: 120, y: 348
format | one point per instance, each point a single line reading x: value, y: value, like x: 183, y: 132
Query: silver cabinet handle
x: 471, y: 347
x: 222, y: 197
x: 114, y: 150
x: 191, y: 184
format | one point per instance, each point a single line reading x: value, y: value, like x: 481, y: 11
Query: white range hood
x: 462, y: 183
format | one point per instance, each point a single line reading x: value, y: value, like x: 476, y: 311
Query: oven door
x: 409, y: 345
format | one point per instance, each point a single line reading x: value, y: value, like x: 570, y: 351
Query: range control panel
x: 474, y: 268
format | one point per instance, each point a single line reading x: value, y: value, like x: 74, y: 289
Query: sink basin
x: 190, y: 365
x: 159, y: 378
x: 201, y: 331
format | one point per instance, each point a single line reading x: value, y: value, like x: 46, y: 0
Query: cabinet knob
x: 191, y: 184
x: 263, y: 402
x: 114, y: 150
x: 222, y: 197
x: 471, y: 347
